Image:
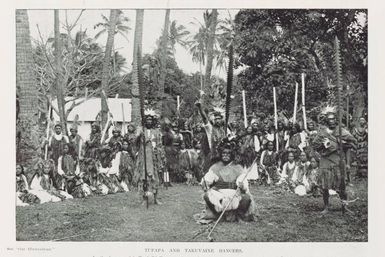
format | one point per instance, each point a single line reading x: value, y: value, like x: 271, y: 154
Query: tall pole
x: 229, y: 86
x: 303, y: 101
x: 244, y: 108
x: 347, y: 106
x: 178, y: 104
x: 124, y: 121
x: 295, y: 103
x: 141, y: 93
x: 339, y: 113
x: 275, y: 118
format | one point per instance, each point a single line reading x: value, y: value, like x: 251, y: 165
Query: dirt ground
x: 282, y: 217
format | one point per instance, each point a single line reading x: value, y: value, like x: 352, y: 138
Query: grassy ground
x: 282, y: 217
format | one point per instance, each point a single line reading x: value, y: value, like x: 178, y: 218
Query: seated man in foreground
x: 226, y: 188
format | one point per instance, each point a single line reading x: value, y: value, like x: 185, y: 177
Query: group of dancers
x: 302, y: 159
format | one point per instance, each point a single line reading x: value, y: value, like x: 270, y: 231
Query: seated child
x: 311, y: 177
x: 288, y: 168
x: 298, y: 179
x: 185, y: 163
x: 269, y: 164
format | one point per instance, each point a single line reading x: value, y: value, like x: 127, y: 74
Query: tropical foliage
x: 276, y: 46
x: 82, y: 62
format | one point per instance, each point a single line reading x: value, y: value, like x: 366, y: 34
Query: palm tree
x: 226, y: 38
x: 163, y: 53
x: 121, y: 28
x: 106, y: 63
x: 211, y: 40
x: 177, y: 35
x: 27, y: 123
x: 203, y: 45
x: 135, y: 101
x: 59, y: 79
x: 198, y: 50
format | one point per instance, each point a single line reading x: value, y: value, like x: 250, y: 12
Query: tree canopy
x: 277, y: 45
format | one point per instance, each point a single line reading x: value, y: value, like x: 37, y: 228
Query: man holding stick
x: 147, y: 163
x: 76, y: 140
x: 226, y: 189
x: 214, y: 131
x: 326, y: 142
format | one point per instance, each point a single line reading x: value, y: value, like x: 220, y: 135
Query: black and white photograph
x: 191, y: 125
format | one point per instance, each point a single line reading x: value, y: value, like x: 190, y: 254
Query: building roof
x: 89, y: 109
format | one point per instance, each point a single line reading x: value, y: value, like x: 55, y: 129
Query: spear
x: 339, y: 113
x: 347, y: 106
x: 141, y: 94
x: 229, y: 86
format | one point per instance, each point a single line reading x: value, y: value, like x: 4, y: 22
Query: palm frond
x: 100, y: 33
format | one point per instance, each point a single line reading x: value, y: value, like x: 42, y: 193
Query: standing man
x: 187, y: 135
x: 115, y: 138
x: 361, y: 134
x: 257, y: 137
x: 131, y: 138
x: 76, y: 141
x: 280, y: 134
x: 326, y: 143
x: 56, y: 143
x: 152, y: 164
x: 215, y: 132
x: 93, y: 144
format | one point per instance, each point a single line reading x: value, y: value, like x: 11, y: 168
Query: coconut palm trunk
x: 28, y: 145
x: 210, y: 48
x: 59, y: 78
x: 106, y: 65
x: 135, y: 101
x: 163, y: 57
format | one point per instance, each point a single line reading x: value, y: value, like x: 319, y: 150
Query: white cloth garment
x: 220, y: 198
x: 41, y: 193
x: 252, y: 171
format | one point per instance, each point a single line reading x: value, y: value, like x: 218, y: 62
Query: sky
x: 152, y: 27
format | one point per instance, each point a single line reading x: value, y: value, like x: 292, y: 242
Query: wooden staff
x: 303, y: 102
x: 177, y: 104
x: 141, y: 102
x: 244, y: 107
x: 339, y: 114
x: 124, y: 121
x: 47, y: 131
x: 295, y: 103
x: 230, y: 75
x: 347, y: 106
x: 275, y: 119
